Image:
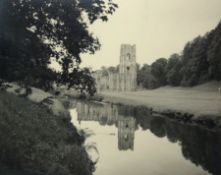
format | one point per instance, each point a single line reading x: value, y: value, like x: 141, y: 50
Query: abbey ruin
x: 124, y: 77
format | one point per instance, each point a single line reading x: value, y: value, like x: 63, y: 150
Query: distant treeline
x: 199, y: 62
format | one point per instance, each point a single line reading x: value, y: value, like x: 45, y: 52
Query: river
x: 126, y: 140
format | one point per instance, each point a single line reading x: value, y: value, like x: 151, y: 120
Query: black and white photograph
x: 110, y: 87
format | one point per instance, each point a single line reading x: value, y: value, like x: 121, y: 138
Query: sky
x: 159, y: 28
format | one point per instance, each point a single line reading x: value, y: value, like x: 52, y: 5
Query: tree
x: 158, y: 69
x: 34, y: 31
x: 199, y: 62
x: 173, y: 70
x: 145, y: 77
x: 214, y: 54
x: 195, y: 64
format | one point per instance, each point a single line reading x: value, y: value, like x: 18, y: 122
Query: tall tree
x: 158, y: 69
x: 195, y: 65
x: 34, y: 31
x: 214, y: 54
x: 145, y: 77
x: 173, y: 70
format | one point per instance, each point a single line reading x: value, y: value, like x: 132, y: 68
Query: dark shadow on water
x: 199, y: 145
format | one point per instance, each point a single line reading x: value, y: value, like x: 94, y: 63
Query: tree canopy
x: 34, y: 31
x: 199, y: 62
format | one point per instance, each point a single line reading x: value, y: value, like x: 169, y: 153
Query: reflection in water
x: 108, y: 114
x: 126, y: 128
x: 199, y: 145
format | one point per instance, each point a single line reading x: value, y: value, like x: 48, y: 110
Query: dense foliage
x: 35, y: 31
x: 199, y: 62
x: 32, y: 139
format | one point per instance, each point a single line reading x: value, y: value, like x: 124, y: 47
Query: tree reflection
x: 198, y: 144
x: 157, y: 127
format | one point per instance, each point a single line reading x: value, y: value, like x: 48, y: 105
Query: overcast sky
x: 158, y: 28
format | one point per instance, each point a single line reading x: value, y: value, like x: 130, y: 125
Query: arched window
x: 128, y: 57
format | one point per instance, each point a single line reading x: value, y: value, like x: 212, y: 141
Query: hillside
x: 35, y: 141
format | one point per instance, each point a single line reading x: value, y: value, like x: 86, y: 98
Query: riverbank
x: 36, y: 141
x: 202, y: 103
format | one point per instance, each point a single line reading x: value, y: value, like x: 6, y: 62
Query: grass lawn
x: 200, y: 100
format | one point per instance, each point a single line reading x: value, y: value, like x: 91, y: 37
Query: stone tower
x: 127, y: 68
x: 122, y: 79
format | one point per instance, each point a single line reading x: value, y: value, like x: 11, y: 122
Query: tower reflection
x: 198, y: 144
x: 107, y: 114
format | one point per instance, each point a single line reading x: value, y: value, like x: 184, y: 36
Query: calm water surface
x: 133, y: 141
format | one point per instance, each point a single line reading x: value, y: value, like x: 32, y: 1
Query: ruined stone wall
x: 126, y: 78
x: 88, y: 112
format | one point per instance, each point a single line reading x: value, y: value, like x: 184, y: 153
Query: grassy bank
x: 201, y: 101
x: 35, y: 141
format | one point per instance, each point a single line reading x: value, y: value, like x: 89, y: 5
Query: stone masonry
x: 125, y: 78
